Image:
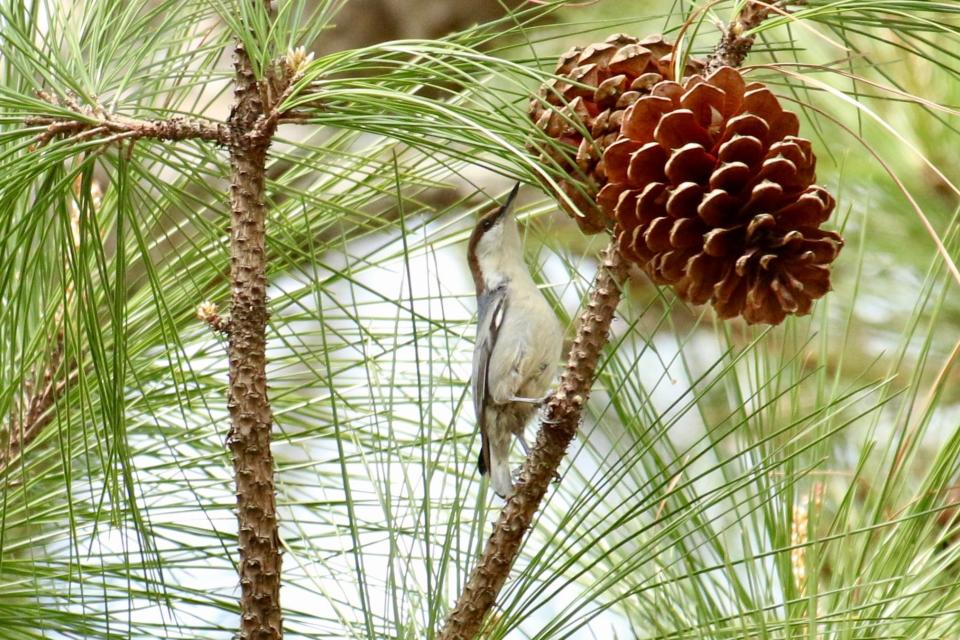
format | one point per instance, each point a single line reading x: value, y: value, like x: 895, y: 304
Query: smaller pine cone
x: 713, y: 193
x: 595, y: 87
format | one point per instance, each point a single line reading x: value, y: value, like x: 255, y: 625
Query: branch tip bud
x: 209, y: 314
x: 297, y: 58
x: 207, y: 310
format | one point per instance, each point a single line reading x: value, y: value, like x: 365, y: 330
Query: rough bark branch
x: 251, y: 418
x: 557, y: 430
x: 565, y: 408
x: 92, y: 122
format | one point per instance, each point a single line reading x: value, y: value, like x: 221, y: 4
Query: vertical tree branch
x: 250, y: 414
x: 565, y: 408
x: 248, y: 135
x: 556, y: 432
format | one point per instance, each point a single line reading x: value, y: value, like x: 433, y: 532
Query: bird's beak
x: 507, y: 206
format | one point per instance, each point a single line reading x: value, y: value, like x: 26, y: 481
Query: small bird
x: 518, y: 341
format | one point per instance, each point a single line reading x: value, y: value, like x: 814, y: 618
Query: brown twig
x: 565, y: 408
x: 26, y: 425
x: 736, y: 43
x: 557, y: 430
x: 92, y: 122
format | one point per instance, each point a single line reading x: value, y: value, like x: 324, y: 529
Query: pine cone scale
x: 732, y: 177
x: 702, y: 274
x: 785, y: 125
x: 647, y: 164
x: 746, y: 124
x: 640, y: 126
x: 701, y: 100
x: 685, y: 233
x: 689, y: 163
x: 683, y: 198
x: 680, y: 127
x: 652, y: 203
x: 670, y: 265
x: 747, y: 150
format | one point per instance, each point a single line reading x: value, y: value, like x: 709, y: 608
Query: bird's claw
x: 534, y: 401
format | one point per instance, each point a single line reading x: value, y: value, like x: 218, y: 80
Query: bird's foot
x: 534, y: 401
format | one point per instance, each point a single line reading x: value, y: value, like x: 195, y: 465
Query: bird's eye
x: 487, y: 224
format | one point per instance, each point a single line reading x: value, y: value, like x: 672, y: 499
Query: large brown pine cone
x: 713, y: 193
x: 595, y: 87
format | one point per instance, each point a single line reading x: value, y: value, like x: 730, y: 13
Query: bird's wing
x: 491, y: 309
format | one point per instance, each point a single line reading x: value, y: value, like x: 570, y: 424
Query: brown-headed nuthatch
x: 518, y: 341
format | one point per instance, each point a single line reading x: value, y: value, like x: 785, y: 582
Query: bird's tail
x: 495, y: 461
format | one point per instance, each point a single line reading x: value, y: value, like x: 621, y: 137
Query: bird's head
x: 494, y: 243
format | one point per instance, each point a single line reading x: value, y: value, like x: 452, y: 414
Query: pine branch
x: 92, y: 122
x: 248, y: 135
x: 251, y: 417
x: 565, y: 408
